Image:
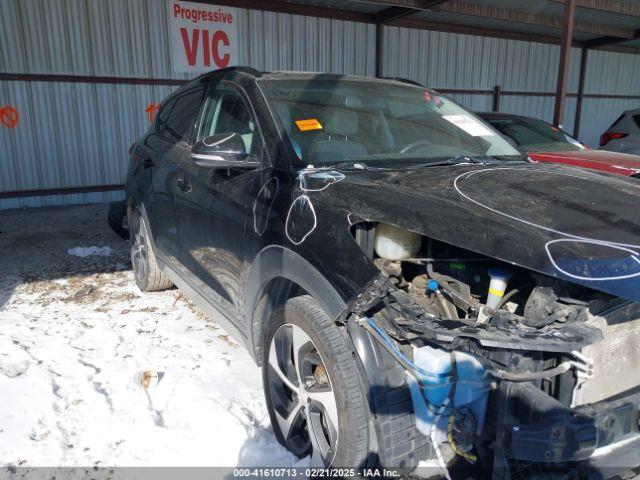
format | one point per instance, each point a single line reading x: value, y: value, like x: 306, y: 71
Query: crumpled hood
x: 569, y: 223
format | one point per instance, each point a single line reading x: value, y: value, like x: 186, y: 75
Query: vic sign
x: 203, y: 37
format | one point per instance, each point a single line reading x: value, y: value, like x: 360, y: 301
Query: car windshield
x: 332, y: 121
x: 533, y: 135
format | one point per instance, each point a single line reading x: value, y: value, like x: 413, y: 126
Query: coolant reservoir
x: 497, y: 286
x: 393, y: 243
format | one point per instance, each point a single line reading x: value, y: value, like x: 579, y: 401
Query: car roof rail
x: 245, y: 69
x: 240, y: 69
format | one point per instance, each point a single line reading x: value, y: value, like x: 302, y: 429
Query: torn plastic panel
x: 460, y: 376
x: 409, y: 322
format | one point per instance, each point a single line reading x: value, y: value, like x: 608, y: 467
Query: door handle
x: 184, y: 184
x: 147, y: 163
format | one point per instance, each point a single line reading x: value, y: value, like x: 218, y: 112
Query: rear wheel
x: 117, y: 218
x: 313, y: 392
x: 148, y: 275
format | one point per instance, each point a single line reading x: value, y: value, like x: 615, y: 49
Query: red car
x: 545, y: 143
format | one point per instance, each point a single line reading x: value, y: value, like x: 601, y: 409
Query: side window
x: 163, y: 114
x: 636, y: 118
x: 183, y: 115
x: 226, y: 112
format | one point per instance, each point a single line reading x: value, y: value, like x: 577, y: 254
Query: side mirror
x: 222, y: 150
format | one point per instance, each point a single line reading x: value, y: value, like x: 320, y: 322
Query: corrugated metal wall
x: 452, y: 60
x: 73, y: 135
x: 70, y: 135
x: 77, y: 134
x: 449, y: 60
x: 613, y: 74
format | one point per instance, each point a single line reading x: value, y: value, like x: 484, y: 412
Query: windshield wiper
x: 466, y: 159
x: 354, y: 165
x: 457, y: 160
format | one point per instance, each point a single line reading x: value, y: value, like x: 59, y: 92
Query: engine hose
x: 434, y: 440
x: 370, y: 325
x: 412, y: 368
x: 442, y: 281
x: 387, y: 343
x: 530, y: 376
x: 506, y: 298
x: 469, y: 457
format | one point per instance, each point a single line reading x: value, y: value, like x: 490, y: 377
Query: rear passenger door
x: 175, y: 124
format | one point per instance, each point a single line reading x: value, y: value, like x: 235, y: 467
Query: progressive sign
x: 203, y: 37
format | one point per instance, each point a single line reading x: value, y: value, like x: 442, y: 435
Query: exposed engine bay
x: 497, y: 353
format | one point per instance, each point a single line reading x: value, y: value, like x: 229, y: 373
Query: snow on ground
x: 74, y: 340
x: 87, y: 251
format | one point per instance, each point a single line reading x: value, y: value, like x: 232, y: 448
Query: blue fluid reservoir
x: 434, y: 386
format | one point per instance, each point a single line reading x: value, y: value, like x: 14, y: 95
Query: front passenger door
x: 212, y: 212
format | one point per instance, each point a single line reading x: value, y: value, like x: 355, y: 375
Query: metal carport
x: 81, y: 76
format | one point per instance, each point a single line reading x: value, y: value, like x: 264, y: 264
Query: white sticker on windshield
x: 469, y: 125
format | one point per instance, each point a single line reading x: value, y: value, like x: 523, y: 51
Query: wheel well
x: 274, y: 294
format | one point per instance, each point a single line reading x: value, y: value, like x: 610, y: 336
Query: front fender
x: 278, y: 262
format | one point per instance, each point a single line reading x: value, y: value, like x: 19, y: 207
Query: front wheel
x: 313, y: 391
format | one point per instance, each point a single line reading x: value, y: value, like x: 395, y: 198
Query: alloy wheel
x: 138, y: 249
x: 302, y: 395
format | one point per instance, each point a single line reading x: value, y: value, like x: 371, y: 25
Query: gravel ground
x: 95, y: 373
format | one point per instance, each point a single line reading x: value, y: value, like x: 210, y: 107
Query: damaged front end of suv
x: 520, y: 343
x: 504, y: 393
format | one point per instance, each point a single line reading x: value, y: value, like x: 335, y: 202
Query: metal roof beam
x: 530, y: 18
x: 413, y: 4
x: 563, y: 67
x: 609, y: 6
x: 396, y: 12
x: 608, y: 40
x: 354, y: 16
x: 280, y: 6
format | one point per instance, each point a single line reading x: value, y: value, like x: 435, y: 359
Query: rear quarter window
x: 636, y: 119
x: 163, y: 114
x: 183, y: 115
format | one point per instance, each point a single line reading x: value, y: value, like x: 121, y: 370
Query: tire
x: 147, y: 273
x: 117, y: 219
x: 327, y: 368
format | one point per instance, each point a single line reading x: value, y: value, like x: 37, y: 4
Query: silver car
x: 624, y: 134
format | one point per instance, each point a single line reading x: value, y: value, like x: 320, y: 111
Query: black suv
x: 412, y: 286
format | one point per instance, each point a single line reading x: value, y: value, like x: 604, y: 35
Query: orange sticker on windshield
x: 308, y: 124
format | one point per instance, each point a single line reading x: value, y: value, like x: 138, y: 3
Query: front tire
x: 147, y: 273
x: 313, y: 390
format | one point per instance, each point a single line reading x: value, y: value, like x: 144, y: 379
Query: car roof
x: 296, y: 75
x: 504, y: 116
x: 299, y: 75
